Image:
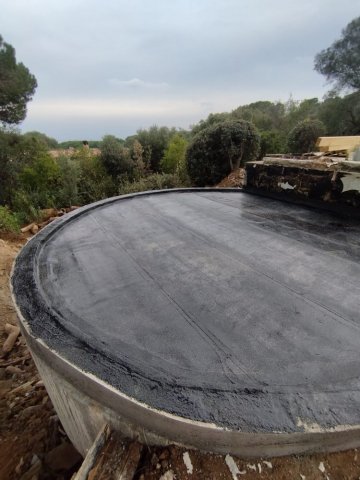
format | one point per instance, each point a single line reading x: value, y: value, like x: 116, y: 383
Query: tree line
x: 160, y: 157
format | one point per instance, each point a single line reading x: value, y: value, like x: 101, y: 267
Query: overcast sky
x: 115, y: 66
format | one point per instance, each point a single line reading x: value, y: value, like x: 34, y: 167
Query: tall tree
x: 264, y: 115
x: 174, y: 155
x: 340, y: 63
x: 17, y: 86
x: 217, y: 150
x: 209, y: 121
x: 115, y: 158
x: 154, y: 141
x: 49, y: 142
x: 303, y: 136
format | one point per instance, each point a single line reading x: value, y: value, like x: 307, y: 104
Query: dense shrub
x: 94, y: 182
x: 154, y: 141
x: 48, y: 142
x: 156, y: 181
x: 24, y: 208
x: 116, y: 158
x: 16, y: 152
x: 303, y: 136
x: 67, y: 192
x: 39, y: 180
x: 8, y: 221
x: 272, y: 142
x: 174, y: 154
x: 217, y: 150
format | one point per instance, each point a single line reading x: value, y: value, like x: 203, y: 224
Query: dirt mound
x: 234, y: 180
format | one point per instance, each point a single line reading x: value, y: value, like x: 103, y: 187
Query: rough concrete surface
x: 326, y: 183
x: 221, y: 307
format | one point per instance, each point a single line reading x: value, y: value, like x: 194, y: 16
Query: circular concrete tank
x: 210, y: 318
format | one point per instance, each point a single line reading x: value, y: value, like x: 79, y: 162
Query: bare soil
x: 33, y: 445
x: 234, y: 180
x: 30, y: 431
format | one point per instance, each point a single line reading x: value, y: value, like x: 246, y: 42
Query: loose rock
x: 62, y: 457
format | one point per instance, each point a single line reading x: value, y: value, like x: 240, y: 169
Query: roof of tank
x: 214, y: 305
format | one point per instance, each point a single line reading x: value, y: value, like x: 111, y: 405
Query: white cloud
x: 110, y: 63
x: 97, y: 108
x: 136, y: 83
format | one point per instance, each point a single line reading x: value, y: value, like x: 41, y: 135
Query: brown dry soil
x: 234, y: 180
x: 33, y: 445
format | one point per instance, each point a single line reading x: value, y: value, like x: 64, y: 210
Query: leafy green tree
x: 341, y: 115
x: 35, y: 180
x: 264, y: 115
x: 17, y: 86
x: 16, y: 152
x: 340, y: 63
x: 297, y: 111
x: 303, y: 136
x: 49, y: 142
x: 272, y: 141
x: 154, y: 142
x: 137, y: 154
x: 212, y: 119
x: 174, y: 155
x: 67, y: 192
x: 94, y: 182
x: 219, y: 149
x: 115, y: 158
x: 38, y: 180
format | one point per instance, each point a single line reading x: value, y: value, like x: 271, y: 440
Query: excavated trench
x: 212, y: 318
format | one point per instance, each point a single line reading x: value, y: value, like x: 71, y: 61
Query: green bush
x: 303, y: 136
x: 39, y: 180
x: 174, y: 155
x: 155, y: 181
x: 154, y: 141
x: 23, y: 206
x: 67, y: 193
x: 272, y: 142
x: 8, y: 221
x: 116, y: 158
x: 94, y: 182
x: 217, y: 150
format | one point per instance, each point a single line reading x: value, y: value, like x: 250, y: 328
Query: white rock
x: 169, y: 475
x: 188, y: 464
x: 234, y: 470
x: 321, y: 467
x: 286, y: 186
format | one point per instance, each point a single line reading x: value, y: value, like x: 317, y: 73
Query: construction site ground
x: 33, y: 445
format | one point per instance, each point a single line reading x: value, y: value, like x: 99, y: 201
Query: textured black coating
x: 218, y: 306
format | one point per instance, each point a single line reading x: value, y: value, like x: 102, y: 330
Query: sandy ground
x: 33, y: 445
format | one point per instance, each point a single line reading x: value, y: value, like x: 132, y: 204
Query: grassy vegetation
x: 31, y: 178
x: 9, y: 222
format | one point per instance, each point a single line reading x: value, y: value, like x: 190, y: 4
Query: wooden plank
x: 326, y: 144
x: 110, y: 458
x: 91, y: 456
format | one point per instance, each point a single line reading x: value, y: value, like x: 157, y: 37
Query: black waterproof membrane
x: 218, y: 306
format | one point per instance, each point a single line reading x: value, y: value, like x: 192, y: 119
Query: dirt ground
x: 233, y: 180
x: 33, y: 445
